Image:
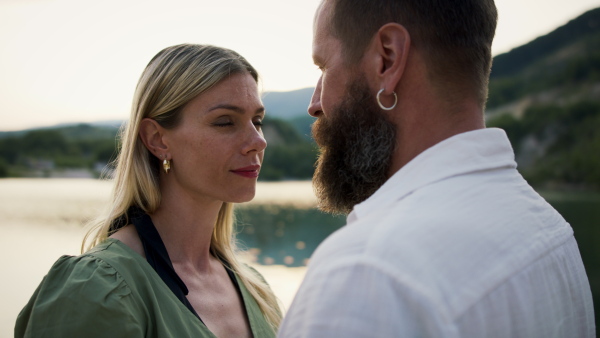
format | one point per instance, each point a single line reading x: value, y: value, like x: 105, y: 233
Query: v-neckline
x: 158, y: 258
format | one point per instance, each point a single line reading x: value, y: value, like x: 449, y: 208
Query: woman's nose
x: 256, y: 141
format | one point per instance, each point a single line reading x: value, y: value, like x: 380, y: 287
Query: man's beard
x: 356, y: 143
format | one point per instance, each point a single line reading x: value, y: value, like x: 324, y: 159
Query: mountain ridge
x: 511, y: 62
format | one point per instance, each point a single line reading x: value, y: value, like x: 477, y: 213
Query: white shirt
x: 455, y: 244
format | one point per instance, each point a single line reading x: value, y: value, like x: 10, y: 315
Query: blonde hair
x: 173, y: 78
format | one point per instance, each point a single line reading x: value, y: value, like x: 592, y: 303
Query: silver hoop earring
x: 384, y: 107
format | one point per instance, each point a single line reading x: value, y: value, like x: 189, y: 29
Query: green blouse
x: 111, y: 291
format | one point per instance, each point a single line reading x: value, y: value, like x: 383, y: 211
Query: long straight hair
x: 174, y: 77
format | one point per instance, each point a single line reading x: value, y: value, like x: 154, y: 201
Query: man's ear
x: 152, y: 135
x: 390, y: 49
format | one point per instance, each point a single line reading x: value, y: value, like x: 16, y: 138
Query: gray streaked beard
x: 356, y: 143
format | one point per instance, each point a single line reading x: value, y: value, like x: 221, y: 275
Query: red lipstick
x: 249, y: 171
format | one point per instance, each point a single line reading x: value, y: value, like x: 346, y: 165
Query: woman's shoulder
x: 96, y: 264
x: 81, y: 289
x: 110, y: 266
x: 129, y: 236
x: 109, y: 258
x: 94, y: 275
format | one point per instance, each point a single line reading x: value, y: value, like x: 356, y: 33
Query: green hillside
x: 561, y: 66
x: 289, y: 155
x: 517, y: 60
x: 546, y: 95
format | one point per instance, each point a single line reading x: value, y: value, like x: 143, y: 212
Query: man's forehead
x: 322, y: 18
x: 320, y: 30
x: 320, y: 48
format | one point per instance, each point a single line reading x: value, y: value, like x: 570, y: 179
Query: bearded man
x: 444, y: 236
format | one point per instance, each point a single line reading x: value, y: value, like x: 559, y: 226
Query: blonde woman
x: 161, y: 262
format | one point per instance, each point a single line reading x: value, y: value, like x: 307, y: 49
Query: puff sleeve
x: 81, y: 297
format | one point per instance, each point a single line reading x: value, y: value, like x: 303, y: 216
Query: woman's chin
x: 243, y: 197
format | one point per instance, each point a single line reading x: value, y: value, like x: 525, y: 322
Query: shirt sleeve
x: 360, y: 299
x: 81, y: 297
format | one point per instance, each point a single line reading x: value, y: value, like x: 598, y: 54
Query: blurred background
x: 69, y: 68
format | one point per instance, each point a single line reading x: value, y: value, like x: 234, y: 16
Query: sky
x: 64, y: 61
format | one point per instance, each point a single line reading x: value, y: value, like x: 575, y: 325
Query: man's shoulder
x: 465, y: 219
x: 463, y: 234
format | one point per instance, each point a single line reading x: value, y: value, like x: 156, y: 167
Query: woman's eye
x: 258, y: 124
x: 223, y: 123
x: 226, y: 124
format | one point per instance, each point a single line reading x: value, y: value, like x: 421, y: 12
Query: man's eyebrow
x: 236, y: 108
x: 317, y: 61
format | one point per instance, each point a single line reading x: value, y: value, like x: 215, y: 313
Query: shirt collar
x: 473, y: 151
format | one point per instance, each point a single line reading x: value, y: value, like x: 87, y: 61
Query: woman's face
x: 218, y: 147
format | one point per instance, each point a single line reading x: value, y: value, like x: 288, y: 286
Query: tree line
x: 20, y: 154
x: 37, y: 152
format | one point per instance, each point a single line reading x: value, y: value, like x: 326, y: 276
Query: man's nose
x: 315, y: 109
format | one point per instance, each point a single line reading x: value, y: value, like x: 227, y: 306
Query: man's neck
x: 421, y: 126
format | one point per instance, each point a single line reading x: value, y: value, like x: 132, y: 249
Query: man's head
x: 454, y: 37
x: 436, y: 55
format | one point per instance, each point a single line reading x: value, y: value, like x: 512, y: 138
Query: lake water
x: 280, y: 229
x: 284, y: 234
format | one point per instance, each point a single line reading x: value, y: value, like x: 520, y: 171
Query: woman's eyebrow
x: 234, y: 108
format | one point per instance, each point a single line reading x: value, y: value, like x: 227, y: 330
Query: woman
x: 162, y: 261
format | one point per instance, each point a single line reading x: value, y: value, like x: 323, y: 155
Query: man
x: 444, y: 237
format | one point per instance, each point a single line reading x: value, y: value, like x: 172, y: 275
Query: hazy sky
x: 79, y: 60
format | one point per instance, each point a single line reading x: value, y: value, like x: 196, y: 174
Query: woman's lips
x: 250, y: 171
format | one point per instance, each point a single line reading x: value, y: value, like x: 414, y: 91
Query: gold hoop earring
x: 166, y: 165
x: 384, y: 107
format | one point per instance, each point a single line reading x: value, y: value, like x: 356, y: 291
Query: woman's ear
x: 390, y: 48
x: 152, y: 135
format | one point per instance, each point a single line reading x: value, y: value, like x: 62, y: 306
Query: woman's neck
x: 185, y: 226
